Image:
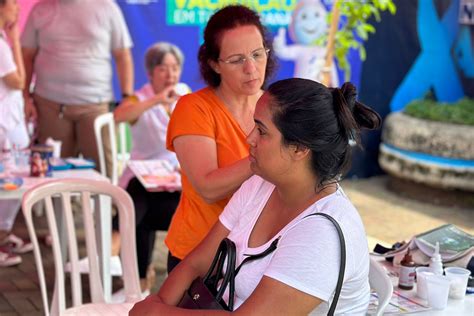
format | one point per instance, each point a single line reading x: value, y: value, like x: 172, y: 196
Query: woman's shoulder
x: 254, y: 187
x: 203, y: 100
x: 336, y: 205
x: 42, y: 9
x: 203, y: 95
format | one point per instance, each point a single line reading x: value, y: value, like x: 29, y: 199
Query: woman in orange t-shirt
x: 208, y: 128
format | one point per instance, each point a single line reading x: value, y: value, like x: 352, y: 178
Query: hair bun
x: 349, y: 92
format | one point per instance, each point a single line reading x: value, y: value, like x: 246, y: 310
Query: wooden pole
x: 326, y: 71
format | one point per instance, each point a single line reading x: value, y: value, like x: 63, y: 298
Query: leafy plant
x: 461, y: 112
x: 355, y: 29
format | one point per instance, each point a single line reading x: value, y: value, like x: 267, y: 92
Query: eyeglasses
x: 258, y: 56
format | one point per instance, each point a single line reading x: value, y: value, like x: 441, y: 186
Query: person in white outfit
x: 69, y: 48
x: 148, y: 113
x: 299, y: 149
x: 13, y: 133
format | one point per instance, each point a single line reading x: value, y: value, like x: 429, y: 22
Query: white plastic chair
x: 381, y: 283
x: 123, y: 156
x: 106, y: 120
x: 119, y: 159
x: 62, y: 190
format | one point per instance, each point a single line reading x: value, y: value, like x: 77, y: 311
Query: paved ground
x: 388, y: 217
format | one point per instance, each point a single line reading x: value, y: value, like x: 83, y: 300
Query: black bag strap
x: 214, y: 274
x: 227, y: 250
x: 342, y: 266
x: 264, y: 253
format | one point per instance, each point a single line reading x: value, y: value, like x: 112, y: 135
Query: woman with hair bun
x: 299, y: 150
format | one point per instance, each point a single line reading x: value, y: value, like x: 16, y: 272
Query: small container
x: 458, y: 277
x: 438, y: 291
x: 407, y: 272
x: 40, y: 161
x: 422, y: 274
x: 436, y: 263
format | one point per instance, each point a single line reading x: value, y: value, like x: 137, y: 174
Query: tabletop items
x: 10, y: 183
x: 406, y: 278
x: 156, y: 174
x: 436, y: 294
x: 40, y: 161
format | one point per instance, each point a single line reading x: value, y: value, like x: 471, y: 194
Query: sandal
x: 8, y: 259
x: 17, y: 244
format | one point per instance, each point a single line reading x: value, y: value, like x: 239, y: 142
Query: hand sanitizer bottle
x: 436, y: 264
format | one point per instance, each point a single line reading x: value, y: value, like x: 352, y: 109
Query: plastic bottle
x: 407, y: 273
x: 7, y: 159
x: 436, y: 264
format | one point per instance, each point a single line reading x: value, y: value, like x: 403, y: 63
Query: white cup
x: 458, y: 277
x: 421, y: 286
x: 438, y: 290
x: 57, y: 148
x: 56, y: 144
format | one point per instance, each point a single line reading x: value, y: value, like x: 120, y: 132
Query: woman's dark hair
x: 223, y: 20
x: 324, y: 120
x: 2, y: 2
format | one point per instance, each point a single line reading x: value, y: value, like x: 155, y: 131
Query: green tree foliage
x: 354, y: 28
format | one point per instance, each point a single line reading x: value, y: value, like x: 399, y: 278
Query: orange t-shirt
x: 201, y: 113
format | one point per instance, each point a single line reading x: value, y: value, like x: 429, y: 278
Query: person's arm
x: 197, y: 157
x: 124, y: 62
x: 29, y: 55
x: 272, y: 297
x: 131, y: 109
x: 15, y: 79
x: 282, y: 49
x: 195, y: 264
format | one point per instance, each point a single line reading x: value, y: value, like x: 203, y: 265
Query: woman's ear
x: 214, y: 66
x: 299, y: 152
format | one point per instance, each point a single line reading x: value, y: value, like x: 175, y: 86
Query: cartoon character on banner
x: 308, y: 23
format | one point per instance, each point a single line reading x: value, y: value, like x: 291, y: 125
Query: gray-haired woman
x: 148, y: 113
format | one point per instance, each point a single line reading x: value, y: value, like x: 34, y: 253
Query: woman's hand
x: 167, y: 96
x: 131, y: 109
x: 149, y: 306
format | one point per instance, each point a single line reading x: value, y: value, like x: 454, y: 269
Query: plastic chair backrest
x: 107, y: 119
x: 62, y: 190
x: 381, y: 283
x: 124, y: 155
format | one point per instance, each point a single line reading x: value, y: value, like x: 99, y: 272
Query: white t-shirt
x: 307, y: 257
x: 149, y: 132
x: 75, y: 40
x: 12, y: 123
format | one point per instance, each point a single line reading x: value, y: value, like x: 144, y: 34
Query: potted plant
x: 431, y: 143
